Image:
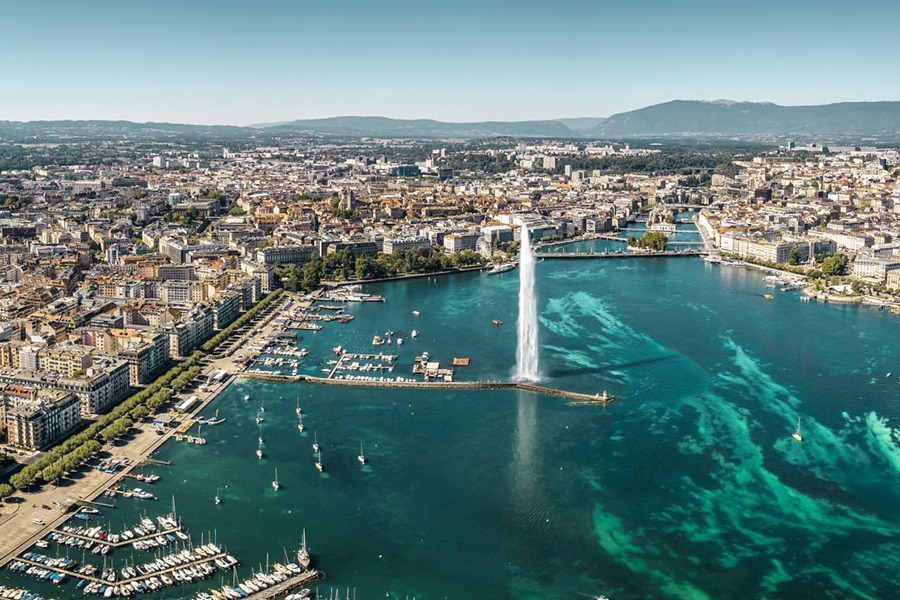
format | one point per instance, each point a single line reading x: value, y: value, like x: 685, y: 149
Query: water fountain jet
x: 527, y: 346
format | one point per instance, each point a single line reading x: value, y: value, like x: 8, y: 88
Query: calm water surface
x: 688, y: 486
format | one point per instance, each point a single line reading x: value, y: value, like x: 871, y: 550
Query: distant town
x: 117, y: 268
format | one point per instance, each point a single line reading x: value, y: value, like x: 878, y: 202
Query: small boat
x: 502, y: 268
x: 259, y: 453
x: 275, y: 484
x: 768, y: 296
x: 319, y: 464
x: 399, y: 341
x: 362, y: 457
x: 262, y: 408
x: 300, y: 424
x: 377, y: 340
x: 315, y: 442
x: 497, y: 322
x: 246, y: 397
x: 416, y: 313
x: 888, y: 376
x: 414, y: 334
x: 218, y: 499
x: 796, y: 435
x: 298, y: 409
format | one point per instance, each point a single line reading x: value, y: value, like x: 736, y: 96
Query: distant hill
x: 89, y: 130
x: 581, y: 124
x: 679, y: 118
x: 425, y: 128
x: 695, y: 118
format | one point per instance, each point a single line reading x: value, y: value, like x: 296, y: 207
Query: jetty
x: 585, y: 399
x: 288, y: 585
x: 187, y: 561
x: 119, y: 543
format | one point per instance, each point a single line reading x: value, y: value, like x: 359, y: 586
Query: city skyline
x: 234, y: 63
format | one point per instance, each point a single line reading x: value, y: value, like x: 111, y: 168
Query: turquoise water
x: 688, y: 486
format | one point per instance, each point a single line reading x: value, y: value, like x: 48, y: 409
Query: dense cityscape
x: 116, y: 270
x: 129, y: 275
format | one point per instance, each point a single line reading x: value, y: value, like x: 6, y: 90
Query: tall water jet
x: 527, y: 347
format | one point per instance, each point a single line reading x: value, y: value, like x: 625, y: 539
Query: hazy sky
x: 241, y: 62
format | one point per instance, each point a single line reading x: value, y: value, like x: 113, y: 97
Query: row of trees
x: 830, y: 265
x: 344, y: 265
x: 240, y: 322
x: 79, y: 448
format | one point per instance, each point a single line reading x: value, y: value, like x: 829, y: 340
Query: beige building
x: 68, y: 361
x: 36, y: 418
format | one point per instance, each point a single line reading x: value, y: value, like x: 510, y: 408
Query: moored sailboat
x: 275, y: 484
x: 319, y: 464
x: 303, y: 557
x: 362, y: 457
x: 796, y: 435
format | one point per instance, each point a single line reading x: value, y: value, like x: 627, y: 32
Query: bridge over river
x: 577, y: 255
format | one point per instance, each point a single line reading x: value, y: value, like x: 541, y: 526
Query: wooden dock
x: 138, y: 579
x: 121, y: 542
x: 288, y: 585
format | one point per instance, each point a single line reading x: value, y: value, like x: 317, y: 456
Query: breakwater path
x: 431, y: 385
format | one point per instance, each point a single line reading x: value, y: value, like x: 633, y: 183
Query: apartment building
x: 36, y: 418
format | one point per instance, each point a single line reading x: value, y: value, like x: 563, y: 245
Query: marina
x: 175, y: 561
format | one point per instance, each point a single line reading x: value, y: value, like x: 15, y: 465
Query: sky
x: 243, y: 62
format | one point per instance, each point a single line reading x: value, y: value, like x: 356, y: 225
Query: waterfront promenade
x: 18, y: 527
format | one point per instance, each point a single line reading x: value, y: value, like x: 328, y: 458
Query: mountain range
x: 693, y: 118
x: 675, y: 119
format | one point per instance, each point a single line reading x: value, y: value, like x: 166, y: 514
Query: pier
x: 121, y: 542
x: 288, y: 585
x: 587, y: 399
x: 199, y: 560
x: 384, y: 362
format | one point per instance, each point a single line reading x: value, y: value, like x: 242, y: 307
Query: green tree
x: 6, y: 490
x: 795, y: 257
x: 236, y: 211
x: 654, y: 240
x: 833, y: 265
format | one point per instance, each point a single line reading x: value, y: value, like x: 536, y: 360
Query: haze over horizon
x: 237, y: 63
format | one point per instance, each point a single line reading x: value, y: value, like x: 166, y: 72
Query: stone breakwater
x: 431, y: 385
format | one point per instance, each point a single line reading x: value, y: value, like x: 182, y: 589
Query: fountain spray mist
x: 527, y: 347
